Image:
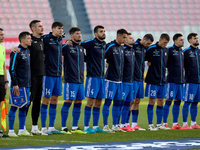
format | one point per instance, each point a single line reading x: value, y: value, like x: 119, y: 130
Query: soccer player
x: 192, y: 77
x: 175, y: 80
x: 52, y: 81
x: 20, y: 78
x: 140, y: 48
x: 74, y: 80
x: 114, y: 74
x: 127, y: 82
x: 156, y: 56
x: 3, y: 73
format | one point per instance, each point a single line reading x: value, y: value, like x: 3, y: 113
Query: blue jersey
x: 140, y: 53
x: 129, y: 63
x: 95, y: 55
x: 115, y: 59
x: 175, y: 65
x: 73, y: 63
x: 20, y: 68
x: 158, y: 57
x: 53, y: 55
x: 191, y: 63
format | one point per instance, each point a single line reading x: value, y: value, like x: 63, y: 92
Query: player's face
x: 77, y: 36
x: 194, y: 41
x: 146, y: 43
x: 122, y: 38
x: 39, y: 28
x: 28, y: 40
x: 101, y: 34
x: 179, y: 42
x: 57, y: 31
x: 1, y: 36
x: 163, y: 43
x: 130, y: 40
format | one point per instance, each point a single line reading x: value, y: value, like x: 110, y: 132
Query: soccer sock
x: 115, y: 111
x: 76, y: 113
x: 150, y: 113
x: 166, y: 110
x: 96, y: 113
x: 128, y: 117
x: 43, y: 114
x: 87, y: 116
x: 185, y: 111
x: 159, y: 114
x: 134, y: 117
x: 193, y: 111
x: 22, y: 117
x: 120, y: 111
x: 106, y: 107
x: 125, y: 111
x: 64, y: 113
x: 175, y: 111
x: 11, y: 117
x: 52, y: 114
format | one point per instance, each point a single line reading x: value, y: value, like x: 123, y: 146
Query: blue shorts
x: 138, y: 89
x: 127, y: 94
x: 95, y: 87
x: 52, y: 86
x: 174, y: 91
x: 192, y: 92
x: 27, y: 96
x: 74, y: 91
x: 114, y: 90
x: 155, y: 91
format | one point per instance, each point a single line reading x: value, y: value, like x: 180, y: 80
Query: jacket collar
x: 21, y: 47
x: 127, y: 47
x: 55, y: 38
x: 176, y: 47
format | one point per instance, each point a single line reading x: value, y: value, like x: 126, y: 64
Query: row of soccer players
x: 124, y: 75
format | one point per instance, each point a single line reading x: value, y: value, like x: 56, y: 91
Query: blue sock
x: 64, y: 113
x: 22, y: 117
x: 76, y: 113
x: 135, y: 116
x: 96, y: 113
x: 11, y: 117
x: 159, y: 113
x: 193, y: 111
x: 185, y: 111
x: 115, y: 111
x: 175, y: 111
x: 87, y: 115
x: 105, y: 111
x: 128, y: 117
x: 120, y: 111
x: 52, y: 114
x: 166, y: 110
x: 125, y: 111
x: 43, y: 114
x: 150, y: 113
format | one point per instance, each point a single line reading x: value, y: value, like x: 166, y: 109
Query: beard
x: 78, y: 41
x: 101, y: 37
x: 196, y: 44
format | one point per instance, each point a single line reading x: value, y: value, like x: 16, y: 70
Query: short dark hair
x: 148, y: 37
x: 33, y: 23
x: 98, y: 27
x: 129, y: 33
x: 191, y: 35
x: 165, y: 36
x: 23, y: 35
x: 73, y: 30
x: 56, y: 24
x: 176, y: 36
x: 1, y: 29
x: 121, y: 32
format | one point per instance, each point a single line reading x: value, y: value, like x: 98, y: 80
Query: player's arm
x: 64, y: 49
x: 86, y: 44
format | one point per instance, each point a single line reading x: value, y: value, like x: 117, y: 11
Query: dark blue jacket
x: 53, y: 55
x: 115, y: 59
x: 158, y: 57
x: 175, y: 65
x: 129, y: 64
x: 95, y: 55
x: 73, y: 63
x: 140, y: 53
x: 19, y: 69
x: 192, y: 64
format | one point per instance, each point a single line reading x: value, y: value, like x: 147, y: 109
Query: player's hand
x: 107, y: 65
x: 16, y: 90
x: 6, y: 86
x: 69, y: 43
x: 15, y: 49
x: 149, y: 64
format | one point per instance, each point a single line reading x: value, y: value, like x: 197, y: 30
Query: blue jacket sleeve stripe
x: 64, y: 45
x: 13, y: 64
x: 170, y: 47
x: 151, y: 47
x: 109, y: 47
x: 86, y: 41
x: 186, y: 49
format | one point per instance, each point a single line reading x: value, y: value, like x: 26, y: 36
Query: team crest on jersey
x: 122, y: 51
x: 165, y: 53
x: 133, y: 53
x: 80, y: 50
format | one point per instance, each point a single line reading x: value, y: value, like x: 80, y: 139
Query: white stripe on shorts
x: 149, y: 90
x: 107, y: 84
x: 88, y: 87
x: 67, y: 91
x: 168, y: 86
x: 186, y: 91
x: 43, y: 90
